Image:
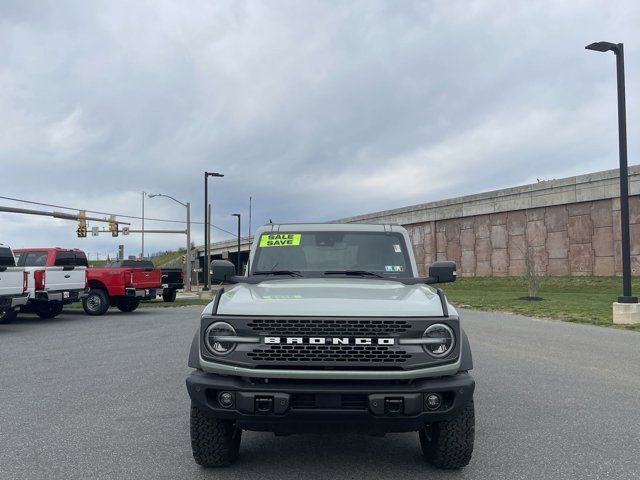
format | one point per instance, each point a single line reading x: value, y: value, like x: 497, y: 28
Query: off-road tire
x: 96, y: 302
x: 48, y: 309
x: 214, y: 442
x: 127, y: 304
x: 169, y: 295
x: 449, y: 444
x: 7, y: 316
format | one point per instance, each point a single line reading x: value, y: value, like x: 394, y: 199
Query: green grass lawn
x: 167, y: 257
x: 572, y: 299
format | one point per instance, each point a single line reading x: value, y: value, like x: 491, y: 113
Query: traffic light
x: 82, y: 224
x: 113, y: 226
x: 184, y: 259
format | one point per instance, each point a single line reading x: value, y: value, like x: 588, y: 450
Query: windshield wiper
x: 293, y: 273
x: 355, y: 273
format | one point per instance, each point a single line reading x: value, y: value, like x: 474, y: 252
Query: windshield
x: 334, y: 252
x: 6, y: 258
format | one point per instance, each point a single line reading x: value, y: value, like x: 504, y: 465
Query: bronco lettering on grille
x: 329, y: 340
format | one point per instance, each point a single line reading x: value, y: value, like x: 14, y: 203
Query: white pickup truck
x: 56, y: 277
x: 13, y: 285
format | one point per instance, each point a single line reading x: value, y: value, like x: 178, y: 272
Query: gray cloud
x: 317, y: 109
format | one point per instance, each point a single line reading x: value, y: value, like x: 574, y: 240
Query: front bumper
x: 374, y: 407
x: 64, y: 296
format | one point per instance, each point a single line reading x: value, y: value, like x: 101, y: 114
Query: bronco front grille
x: 357, y: 354
x: 328, y: 327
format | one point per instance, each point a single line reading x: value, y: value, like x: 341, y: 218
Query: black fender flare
x: 194, y: 353
x: 466, y: 358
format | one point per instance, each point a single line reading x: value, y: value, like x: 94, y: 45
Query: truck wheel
x: 96, y: 303
x: 126, y: 304
x: 48, y: 309
x: 8, y: 316
x: 169, y: 295
x: 214, y: 442
x: 449, y: 444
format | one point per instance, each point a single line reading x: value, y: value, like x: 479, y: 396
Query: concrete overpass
x: 569, y: 226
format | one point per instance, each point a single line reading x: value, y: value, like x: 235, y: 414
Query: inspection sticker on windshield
x: 280, y: 239
x: 393, y: 268
x: 396, y: 248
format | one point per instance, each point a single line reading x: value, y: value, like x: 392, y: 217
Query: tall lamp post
x: 207, y: 259
x: 143, y: 195
x: 188, y: 207
x: 618, y: 50
x: 238, y: 269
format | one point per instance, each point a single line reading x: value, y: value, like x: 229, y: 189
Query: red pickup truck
x: 122, y: 284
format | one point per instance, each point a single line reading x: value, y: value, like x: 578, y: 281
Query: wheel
x: 96, y: 303
x: 214, y: 442
x: 449, y: 444
x: 48, y: 309
x: 8, y: 316
x: 169, y: 295
x: 127, y: 304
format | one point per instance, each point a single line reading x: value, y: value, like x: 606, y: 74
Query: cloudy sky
x: 318, y: 110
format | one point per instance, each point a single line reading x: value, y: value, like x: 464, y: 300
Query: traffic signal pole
x: 61, y: 215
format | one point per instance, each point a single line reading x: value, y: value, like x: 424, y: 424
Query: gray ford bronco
x: 331, y: 330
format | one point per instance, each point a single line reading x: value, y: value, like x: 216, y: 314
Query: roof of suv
x: 338, y: 227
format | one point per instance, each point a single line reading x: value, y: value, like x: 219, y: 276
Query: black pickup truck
x: 172, y: 280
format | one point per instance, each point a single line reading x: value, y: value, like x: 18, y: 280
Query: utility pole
x: 143, y: 195
x: 207, y: 262
x: 188, y: 232
x: 189, y: 263
x: 249, y: 237
x: 206, y: 226
x: 238, y: 261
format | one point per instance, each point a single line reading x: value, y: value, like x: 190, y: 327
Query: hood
x: 331, y: 297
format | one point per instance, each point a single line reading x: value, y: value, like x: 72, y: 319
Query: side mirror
x: 443, y: 272
x: 222, y: 271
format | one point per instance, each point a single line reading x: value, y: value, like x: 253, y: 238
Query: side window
x: 81, y: 260
x: 6, y: 258
x: 35, y: 259
x: 64, y: 259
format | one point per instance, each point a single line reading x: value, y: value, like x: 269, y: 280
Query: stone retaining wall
x: 576, y: 239
x: 569, y: 226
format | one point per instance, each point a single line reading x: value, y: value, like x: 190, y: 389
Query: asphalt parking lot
x: 104, y: 397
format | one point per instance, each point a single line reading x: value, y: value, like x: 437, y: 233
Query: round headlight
x: 219, y: 329
x: 442, y: 340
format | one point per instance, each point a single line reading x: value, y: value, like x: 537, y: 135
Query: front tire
x: 126, y: 304
x: 449, y: 444
x: 8, y: 316
x: 214, y: 442
x: 48, y: 309
x: 169, y: 295
x: 96, y: 302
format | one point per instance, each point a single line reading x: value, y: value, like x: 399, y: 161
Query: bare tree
x: 531, y: 277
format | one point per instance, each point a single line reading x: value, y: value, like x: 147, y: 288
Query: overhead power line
x: 116, y: 214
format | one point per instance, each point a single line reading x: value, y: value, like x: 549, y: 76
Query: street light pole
x: 142, y: 253
x: 207, y: 259
x: 188, y: 207
x: 189, y: 264
x: 618, y: 50
x: 238, y: 269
